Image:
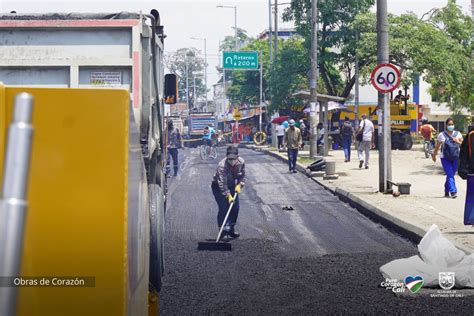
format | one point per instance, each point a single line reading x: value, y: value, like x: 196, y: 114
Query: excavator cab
x: 399, y: 103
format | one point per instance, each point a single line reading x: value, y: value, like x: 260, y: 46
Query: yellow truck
x: 403, y: 116
x: 97, y: 192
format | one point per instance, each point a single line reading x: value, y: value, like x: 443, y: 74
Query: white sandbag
x: 401, y: 268
x: 438, y: 254
x: 436, y: 250
x: 464, y: 272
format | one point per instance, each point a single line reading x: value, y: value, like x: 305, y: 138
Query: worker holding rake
x: 226, y: 186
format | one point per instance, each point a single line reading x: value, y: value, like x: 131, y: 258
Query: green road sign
x: 241, y: 60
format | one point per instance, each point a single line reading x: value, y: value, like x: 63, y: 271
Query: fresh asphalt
x: 321, y: 257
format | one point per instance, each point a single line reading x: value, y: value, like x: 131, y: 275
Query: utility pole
x: 357, y: 82
x: 187, y: 87
x: 276, y: 30
x: 235, y: 21
x: 270, y: 29
x: 313, y: 82
x: 261, y: 93
x: 205, y: 66
x: 235, y: 26
x: 385, y: 147
x: 194, y: 91
x: 205, y: 71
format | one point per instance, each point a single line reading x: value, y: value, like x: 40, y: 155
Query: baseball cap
x: 291, y: 122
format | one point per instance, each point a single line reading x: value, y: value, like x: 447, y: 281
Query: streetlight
x: 195, y: 74
x: 235, y: 20
x: 205, y: 63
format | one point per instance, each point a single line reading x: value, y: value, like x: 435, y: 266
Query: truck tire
x: 157, y: 219
x: 152, y: 168
x: 407, y: 142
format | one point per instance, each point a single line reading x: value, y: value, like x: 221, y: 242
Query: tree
x: 245, y: 87
x: 229, y: 44
x: 437, y: 47
x: 177, y: 63
x: 336, y: 39
x: 455, y: 80
x: 289, y: 74
x: 229, y: 41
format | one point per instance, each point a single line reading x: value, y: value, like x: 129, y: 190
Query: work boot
x: 234, y: 233
x: 225, y: 237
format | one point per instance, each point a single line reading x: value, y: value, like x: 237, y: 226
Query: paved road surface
x: 322, y: 257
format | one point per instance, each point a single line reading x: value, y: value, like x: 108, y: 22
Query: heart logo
x: 414, y: 284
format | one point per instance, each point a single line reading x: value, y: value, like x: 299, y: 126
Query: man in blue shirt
x: 207, y: 136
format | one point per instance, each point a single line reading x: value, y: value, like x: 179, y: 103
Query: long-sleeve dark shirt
x: 228, y: 176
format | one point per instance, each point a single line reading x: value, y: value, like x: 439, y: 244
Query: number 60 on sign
x: 385, y: 78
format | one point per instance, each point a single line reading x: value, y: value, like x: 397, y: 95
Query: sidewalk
x: 412, y: 214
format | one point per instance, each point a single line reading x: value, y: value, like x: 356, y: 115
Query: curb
x: 403, y: 228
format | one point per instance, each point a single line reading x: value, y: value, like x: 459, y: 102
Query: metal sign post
x: 385, y: 78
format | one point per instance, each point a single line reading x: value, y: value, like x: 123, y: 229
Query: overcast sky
x: 199, y: 18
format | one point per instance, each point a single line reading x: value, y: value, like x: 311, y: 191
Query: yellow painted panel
x: 77, y: 216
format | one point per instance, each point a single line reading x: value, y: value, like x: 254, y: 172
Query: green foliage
x: 289, y: 74
x: 229, y: 41
x: 336, y: 39
x: 246, y: 84
x: 438, y: 48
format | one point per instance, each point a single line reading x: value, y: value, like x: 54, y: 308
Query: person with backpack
x: 347, y: 132
x: 449, y: 141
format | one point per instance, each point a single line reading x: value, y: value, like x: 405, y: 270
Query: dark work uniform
x: 174, y: 142
x: 224, y: 182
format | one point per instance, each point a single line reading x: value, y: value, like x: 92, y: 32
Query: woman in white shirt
x: 448, y: 156
x: 280, y: 132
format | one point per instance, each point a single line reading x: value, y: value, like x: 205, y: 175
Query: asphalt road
x: 323, y: 257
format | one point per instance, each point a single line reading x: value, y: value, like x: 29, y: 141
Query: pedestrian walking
x: 366, y: 141
x: 292, y: 141
x: 320, y: 138
x: 174, y: 142
x: 449, y: 142
x: 347, y: 132
x: 280, y: 131
x: 228, y: 180
x: 303, y: 129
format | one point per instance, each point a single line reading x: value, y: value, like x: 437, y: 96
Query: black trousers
x: 173, y: 152
x: 280, y: 141
x: 223, y: 206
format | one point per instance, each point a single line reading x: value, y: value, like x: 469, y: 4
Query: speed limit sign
x: 385, y: 78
